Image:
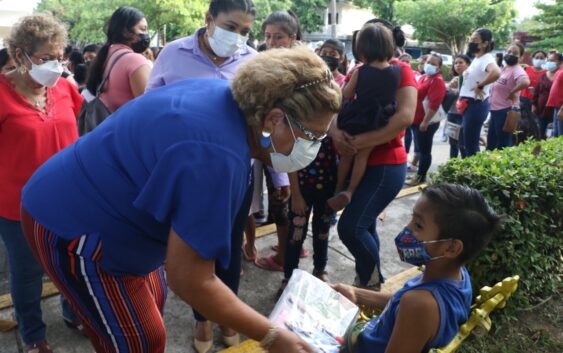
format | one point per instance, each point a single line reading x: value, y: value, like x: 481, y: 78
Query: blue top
x: 454, y: 302
x: 175, y: 157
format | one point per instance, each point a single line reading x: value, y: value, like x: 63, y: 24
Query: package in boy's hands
x: 314, y: 311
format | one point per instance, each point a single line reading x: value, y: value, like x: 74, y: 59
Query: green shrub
x: 527, y: 188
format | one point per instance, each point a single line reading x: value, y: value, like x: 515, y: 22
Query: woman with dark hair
x: 214, y: 51
x: 281, y: 29
x: 6, y: 62
x: 543, y: 112
x: 534, y: 72
x: 455, y: 118
x: 474, y: 94
x: 384, y: 176
x: 127, y: 38
x: 332, y: 52
x: 555, y: 101
x: 505, y: 94
x: 431, y: 88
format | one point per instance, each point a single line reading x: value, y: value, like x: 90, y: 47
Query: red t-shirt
x: 393, y: 152
x: 28, y: 137
x: 556, y: 95
x: 432, y: 87
x: 534, y: 81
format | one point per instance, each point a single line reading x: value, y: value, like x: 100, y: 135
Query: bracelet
x: 268, y: 340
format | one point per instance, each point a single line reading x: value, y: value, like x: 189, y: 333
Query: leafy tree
x: 382, y: 8
x: 549, y: 26
x: 453, y: 21
x: 87, y: 18
x: 310, y: 13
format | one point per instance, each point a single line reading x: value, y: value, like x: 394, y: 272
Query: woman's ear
x: 273, y: 118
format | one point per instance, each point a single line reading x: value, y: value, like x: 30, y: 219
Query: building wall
x: 10, y: 12
x: 350, y: 18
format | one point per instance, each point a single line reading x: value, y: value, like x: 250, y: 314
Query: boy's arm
x: 361, y: 296
x: 416, y: 324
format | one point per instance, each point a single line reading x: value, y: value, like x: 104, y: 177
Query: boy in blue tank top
x: 450, y: 225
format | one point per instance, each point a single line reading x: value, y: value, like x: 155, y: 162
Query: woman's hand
x: 282, y: 194
x: 298, y: 204
x: 479, y: 93
x: 423, y: 127
x: 346, y: 290
x: 343, y: 142
x: 454, y: 82
x: 288, y: 342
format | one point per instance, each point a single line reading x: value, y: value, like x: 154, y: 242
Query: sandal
x: 249, y: 257
x: 40, y: 347
x: 339, y: 201
x: 75, y: 325
x: 303, y: 254
x: 268, y: 263
x: 322, y: 275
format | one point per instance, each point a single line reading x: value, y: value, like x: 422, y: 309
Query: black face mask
x: 331, y: 62
x: 142, y: 44
x: 510, y: 60
x: 473, y: 48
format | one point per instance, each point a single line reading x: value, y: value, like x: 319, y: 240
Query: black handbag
x: 94, y: 112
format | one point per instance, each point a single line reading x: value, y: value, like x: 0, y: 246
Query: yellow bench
x: 479, y: 322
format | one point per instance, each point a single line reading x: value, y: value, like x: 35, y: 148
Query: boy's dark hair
x: 461, y: 212
x: 334, y: 43
x: 286, y: 20
x: 487, y: 36
x: 375, y: 42
x: 217, y: 6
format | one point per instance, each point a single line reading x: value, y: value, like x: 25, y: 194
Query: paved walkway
x: 257, y: 287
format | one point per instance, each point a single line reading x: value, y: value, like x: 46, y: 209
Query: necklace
x: 207, y: 50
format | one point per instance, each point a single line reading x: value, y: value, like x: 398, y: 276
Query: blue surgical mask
x: 430, y: 69
x: 538, y: 62
x: 551, y: 66
x: 413, y: 251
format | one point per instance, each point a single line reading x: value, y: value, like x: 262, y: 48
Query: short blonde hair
x: 32, y: 32
x: 272, y: 79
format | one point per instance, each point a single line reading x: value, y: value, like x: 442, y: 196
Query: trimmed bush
x: 525, y: 183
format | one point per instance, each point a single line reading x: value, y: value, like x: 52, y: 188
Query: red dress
x: 28, y: 136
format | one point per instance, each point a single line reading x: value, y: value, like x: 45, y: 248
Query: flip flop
x: 303, y: 254
x: 247, y: 256
x: 267, y: 263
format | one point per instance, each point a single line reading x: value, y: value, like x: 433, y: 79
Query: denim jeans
x: 322, y: 219
x: 409, y: 137
x: 456, y: 146
x: 496, y: 138
x: 542, y: 126
x: 557, y: 125
x: 473, y: 119
x: 425, y: 143
x: 357, y: 225
x: 25, y: 282
x: 231, y: 275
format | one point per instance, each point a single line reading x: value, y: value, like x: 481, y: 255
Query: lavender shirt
x: 183, y: 59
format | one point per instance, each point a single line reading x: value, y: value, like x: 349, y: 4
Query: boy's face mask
x: 413, y: 251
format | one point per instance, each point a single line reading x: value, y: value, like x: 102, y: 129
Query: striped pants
x: 119, y: 313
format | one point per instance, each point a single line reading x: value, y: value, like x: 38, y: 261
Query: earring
x: 265, y: 134
x: 22, y: 69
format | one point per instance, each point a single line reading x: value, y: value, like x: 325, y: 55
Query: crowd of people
x: 162, y: 193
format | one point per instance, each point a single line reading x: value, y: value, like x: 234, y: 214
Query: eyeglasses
x: 310, y: 135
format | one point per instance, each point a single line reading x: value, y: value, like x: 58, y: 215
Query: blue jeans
x: 409, y: 137
x: 542, y: 125
x: 557, y: 125
x: 322, y: 219
x: 473, y: 119
x: 231, y: 275
x: 25, y: 282
x: 425, y: 144
x: 357, y: 225
x: 456, y: 146
x: 496, y: 138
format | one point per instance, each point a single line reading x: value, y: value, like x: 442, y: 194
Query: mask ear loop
x: 290, y: 127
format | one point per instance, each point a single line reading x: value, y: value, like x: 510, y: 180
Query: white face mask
x: 46, y: 74
x: 302, y: 154
x: 225, y: 43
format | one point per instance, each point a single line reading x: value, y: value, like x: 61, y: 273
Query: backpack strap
x: 102, y: 84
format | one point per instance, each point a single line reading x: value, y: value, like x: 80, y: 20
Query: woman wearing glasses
x: 37, y: 120
x: 161, y: 184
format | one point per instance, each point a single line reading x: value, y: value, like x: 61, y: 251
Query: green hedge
x: 527, y: 187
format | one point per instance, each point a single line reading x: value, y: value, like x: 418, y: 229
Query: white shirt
x: 475, y: 73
